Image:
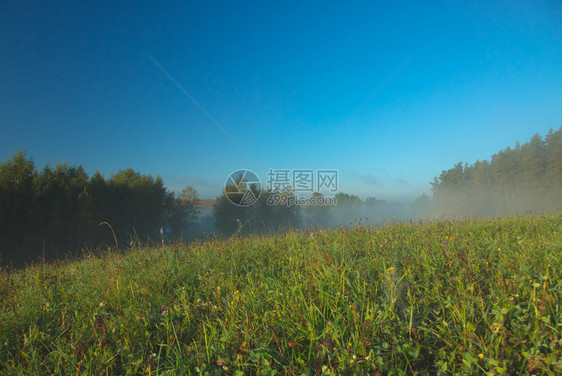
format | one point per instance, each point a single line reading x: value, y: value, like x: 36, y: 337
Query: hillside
x: 471, y: 297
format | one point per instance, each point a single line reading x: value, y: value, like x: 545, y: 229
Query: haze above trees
x: 61, y: 211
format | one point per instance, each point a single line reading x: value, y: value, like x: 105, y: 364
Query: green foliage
x: 444, y: 298
x: 180, y: 211
x: 272, y: 212
x: 16, y: 204
x: 526, y: 178
x: 318, y: 215
x: 348, y: 208
x: 347, y: 200
x: 55, y: 212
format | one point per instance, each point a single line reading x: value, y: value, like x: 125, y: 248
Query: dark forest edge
x: 61, y: 211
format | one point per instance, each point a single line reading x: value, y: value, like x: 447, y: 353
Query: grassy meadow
x: 447, y: 297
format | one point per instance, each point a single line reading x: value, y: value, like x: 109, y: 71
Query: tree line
x: 525, y: 178
x: 276, y: 211
x: 60, y: 210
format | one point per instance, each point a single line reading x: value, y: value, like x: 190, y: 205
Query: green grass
x: 467, y: 297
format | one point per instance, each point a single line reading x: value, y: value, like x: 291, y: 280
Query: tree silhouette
x: 317, y: 214
x: 516, y: 180
x: 55, y: 212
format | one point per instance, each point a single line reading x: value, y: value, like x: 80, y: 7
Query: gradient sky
x: 78, y: 84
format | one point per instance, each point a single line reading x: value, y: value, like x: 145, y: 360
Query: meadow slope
x: 447, y: 297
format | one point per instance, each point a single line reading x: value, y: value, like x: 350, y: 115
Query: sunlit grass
x: 467, y: 297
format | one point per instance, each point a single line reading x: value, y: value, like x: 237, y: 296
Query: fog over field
x: 152, y: 117
x: 280, y: 187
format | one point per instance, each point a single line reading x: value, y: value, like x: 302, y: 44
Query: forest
x: 60, y: 211
x: 522, y: 179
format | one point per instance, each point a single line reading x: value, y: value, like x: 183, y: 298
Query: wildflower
x: 480, y: 356
x: 499, y: 249
x: 164, y: 312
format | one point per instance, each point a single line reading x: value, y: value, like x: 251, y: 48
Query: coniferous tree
x: 521, y: 179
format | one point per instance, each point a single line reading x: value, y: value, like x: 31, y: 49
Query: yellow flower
x: 499, y: 249
x: 390, y: 269
x: 480, y: 356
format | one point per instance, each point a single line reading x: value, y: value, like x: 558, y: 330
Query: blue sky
x: 77, y: 84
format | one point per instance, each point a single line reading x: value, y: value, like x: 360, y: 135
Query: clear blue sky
x: 77, y: 84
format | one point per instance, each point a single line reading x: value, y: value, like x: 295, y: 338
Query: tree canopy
x: 525, y: 178
x: 57, y: 211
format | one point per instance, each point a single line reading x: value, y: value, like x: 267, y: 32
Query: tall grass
x: 467, y: 297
